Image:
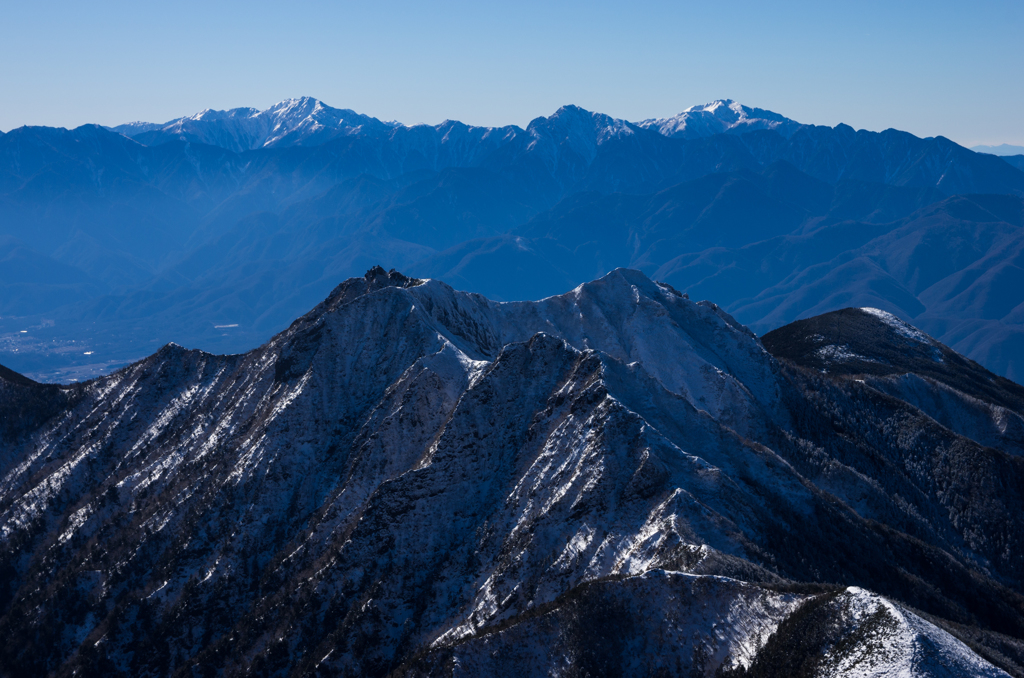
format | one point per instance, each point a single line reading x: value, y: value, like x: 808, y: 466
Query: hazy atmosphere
x: 520, y: 340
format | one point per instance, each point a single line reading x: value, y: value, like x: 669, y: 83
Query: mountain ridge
x: 302, y: 121
x: 717, y: 117
x: 191, y: 242
x: 406, y: 471
x: 296, y: 120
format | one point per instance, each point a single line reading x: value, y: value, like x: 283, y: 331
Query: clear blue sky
x: 937, y: 67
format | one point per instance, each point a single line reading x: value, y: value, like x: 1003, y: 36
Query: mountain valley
x: 215, y: 230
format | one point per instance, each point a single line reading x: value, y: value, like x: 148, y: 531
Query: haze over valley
x: 216, y: 230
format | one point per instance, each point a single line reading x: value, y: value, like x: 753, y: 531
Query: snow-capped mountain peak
x: 718, y: 117
x: 575, y: 119
x: 209, y: 114
x: 716, y: 105
x: 305, y: 121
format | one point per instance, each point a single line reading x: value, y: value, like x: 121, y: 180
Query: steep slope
x: 408, y: 475
x: 24, y: 406
x: 904, y: 362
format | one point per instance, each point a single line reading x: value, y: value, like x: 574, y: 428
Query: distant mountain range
x: 414, y: 481
x: 1001, y: 149
x: 293, y: 122
x: 1011, y: 154
x: 215, y: 230
x: 309, y: 122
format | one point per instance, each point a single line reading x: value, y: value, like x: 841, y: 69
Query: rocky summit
x: 619, y: 480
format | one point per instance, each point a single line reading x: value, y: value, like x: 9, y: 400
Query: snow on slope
x: 719, y: 117
x: 299, y: 122
x: 307, y: 122
x: 693, y: 349
x: 902, y: 328
x: 870, y: 636
x: 896, y: 643
x: 409, y: 468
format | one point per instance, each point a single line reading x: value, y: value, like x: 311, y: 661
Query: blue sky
x: 949, y: 68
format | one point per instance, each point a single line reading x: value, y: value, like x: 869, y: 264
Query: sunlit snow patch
x: 834, y: 354
x: 902, y: 328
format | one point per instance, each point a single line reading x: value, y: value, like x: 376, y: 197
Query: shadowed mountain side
x: 589, y: 234
x: 409, y: 473
x: 877, y: 343
x: 952, y: 266
x: 901, y: 361
x: 891, y: 157
x: 24, y: 406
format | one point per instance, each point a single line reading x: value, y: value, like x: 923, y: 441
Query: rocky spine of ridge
x: 617, y: 480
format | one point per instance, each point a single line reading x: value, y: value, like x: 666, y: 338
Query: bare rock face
x: 412, y: 480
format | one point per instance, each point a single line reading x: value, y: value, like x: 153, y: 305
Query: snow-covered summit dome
x: 719, y: 117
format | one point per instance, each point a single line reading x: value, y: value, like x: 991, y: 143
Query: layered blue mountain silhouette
x: 216, y: 230
x: 1001, y: 149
